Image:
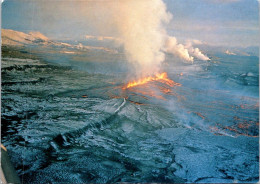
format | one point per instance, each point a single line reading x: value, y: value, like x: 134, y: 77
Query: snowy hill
x: 11, y: 37
x: 16, y: 38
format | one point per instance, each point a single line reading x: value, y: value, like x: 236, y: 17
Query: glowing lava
x: 162, y: 77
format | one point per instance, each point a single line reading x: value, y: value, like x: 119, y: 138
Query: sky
x: 216, y: 22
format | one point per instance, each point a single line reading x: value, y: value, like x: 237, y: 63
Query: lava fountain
x: 161, y: 77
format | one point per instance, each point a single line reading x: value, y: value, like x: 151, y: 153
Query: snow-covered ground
x: 63, y: 123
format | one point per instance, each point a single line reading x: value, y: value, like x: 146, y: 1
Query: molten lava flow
x: 162, y: 77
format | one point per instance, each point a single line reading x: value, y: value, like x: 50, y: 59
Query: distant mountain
x: 11, y: 37
x: 240, y: 51
x: 16, y: 38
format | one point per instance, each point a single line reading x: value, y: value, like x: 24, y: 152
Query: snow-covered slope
x: 11, y: 37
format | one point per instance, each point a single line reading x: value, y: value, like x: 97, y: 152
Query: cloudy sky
x: 217, y: 22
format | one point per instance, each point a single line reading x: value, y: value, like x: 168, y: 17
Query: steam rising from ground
x: 172, y: 46
x: 186, y: 52
x: 142, y: 31
x: 141, y: 28
x: 195, y: 51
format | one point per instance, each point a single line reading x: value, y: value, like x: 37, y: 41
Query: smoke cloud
x: 195, y: 51
x: 187, y: 52
x: 141, y: 29
x: 172, y: 46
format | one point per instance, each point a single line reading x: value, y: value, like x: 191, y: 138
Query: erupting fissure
x: 162, y: 77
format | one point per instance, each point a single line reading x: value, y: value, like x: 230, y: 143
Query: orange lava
x: 200, y: 115
x: 237, y: 129
x: 162, y: 77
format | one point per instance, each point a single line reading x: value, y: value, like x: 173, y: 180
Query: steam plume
x: 140, y: 25
x: 195, y: 51
x: 172, y: 46
x: 186, y: 52
x: 141, y: 29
